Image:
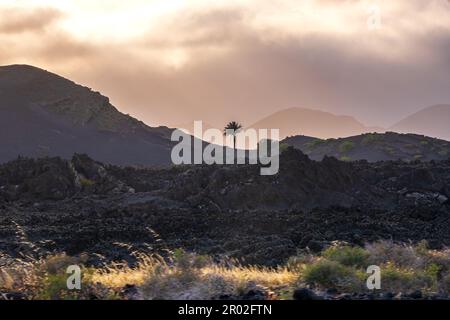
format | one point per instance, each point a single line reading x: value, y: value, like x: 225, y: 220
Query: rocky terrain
x: 83, y: 206
x: 374, y: 147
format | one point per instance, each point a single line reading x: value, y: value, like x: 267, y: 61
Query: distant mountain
x: 295, y: 121
x: 43, y: 114
x: 374, y: 147
x: 432, y: 121
x: 188, y: 127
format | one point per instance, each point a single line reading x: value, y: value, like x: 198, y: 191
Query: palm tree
x: 235, y: 127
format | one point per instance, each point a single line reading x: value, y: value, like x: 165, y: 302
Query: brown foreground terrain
x: 157, y: 233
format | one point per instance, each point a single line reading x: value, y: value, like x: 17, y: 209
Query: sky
x: 174, y: 61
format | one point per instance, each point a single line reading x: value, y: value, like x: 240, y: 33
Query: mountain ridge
x: 431, y: 121
x: 373, y: 147
x: 44, y: 114
x: 311, y: 122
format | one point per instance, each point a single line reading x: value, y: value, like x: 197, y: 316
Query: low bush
x: 347, y: 255
x: 314, y: 143
x: 183, y: 275
x: 369, y: 139
x: 396, y: 279
x: 332, y: 274
x: 346, y: 146
x: 345, y: 158
x: 405, y: 256
x: 85, y: 182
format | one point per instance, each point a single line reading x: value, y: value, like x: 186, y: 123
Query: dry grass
x: 404, y: 268
x: 267, y: 277
x: 18, y: 275
x: 118, y: 275
x: 192, y: 277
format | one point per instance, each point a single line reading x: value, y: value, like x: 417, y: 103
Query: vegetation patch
x: 315, y: 143
x: 346, y: 146
x: 347, y: 255
x: 331, y: 274
x: 85, y: 183
x: 184, y: 275
x: 370, y: 138
x: 345, y: 158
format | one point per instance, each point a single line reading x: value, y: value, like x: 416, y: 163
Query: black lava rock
x: 304, y: 294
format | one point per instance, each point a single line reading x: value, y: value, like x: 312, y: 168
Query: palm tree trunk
x: 234, y: 149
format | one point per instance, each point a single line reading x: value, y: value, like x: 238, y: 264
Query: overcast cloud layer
x: 170, y: 62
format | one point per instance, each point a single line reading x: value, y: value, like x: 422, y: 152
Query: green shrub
x: 369, y: 139
x: 297, y: 263
x: 401, y: 255
x: 390, y: 150
x: 396, y: 279
x: 85, y: 182
x: 433, y: 270
x: 345, y: 158
x: 421, y: 248
x: 346, y: 146
x: 332, y: 274
x: 186, y: 261
x: 347, y: 256
x: 314, y: 143
x: 54, y: 287
x: 53, y: 278
x: 283, y: 147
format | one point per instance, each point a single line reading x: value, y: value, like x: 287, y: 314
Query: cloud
x: 245, y: 60
x: 15, y: 20
x: 194, y: 29
x: 376, y: 76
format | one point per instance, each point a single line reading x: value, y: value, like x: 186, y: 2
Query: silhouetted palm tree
x: 236, y: 127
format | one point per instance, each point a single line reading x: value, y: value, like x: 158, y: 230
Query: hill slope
x: 432, y: 121
x: 374, y: 147
x: 43, y: 114
x: 314, y: 123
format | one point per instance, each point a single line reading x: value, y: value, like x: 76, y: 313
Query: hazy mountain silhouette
x: 43, y: 114
x: 433, y: 121
x: 295, y: 121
